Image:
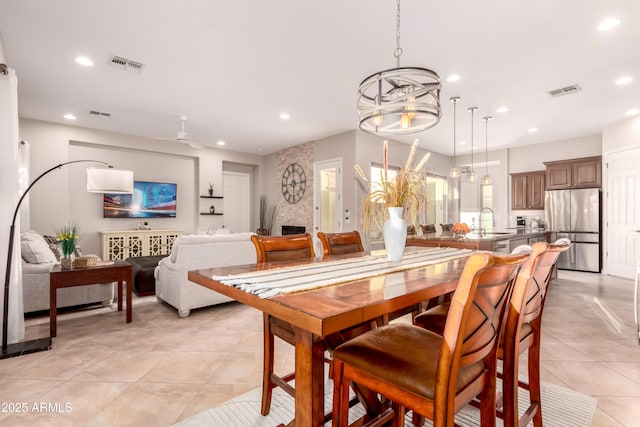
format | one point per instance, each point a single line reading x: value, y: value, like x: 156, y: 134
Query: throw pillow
x: 35, y: 249
x: 54, y: 245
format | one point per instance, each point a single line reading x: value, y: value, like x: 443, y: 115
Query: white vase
x: 395, y: 234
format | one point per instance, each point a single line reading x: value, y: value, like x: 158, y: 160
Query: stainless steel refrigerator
x: 576, y: 215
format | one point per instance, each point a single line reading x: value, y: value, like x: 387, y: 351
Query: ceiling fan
x: 182, y: 136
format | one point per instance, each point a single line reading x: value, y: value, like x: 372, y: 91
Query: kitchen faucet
x: 493, y: 218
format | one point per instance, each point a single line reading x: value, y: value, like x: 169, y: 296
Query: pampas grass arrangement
x: 406, y: 189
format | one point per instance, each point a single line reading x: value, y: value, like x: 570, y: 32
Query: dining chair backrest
x: 411, y: 230
x: 290, y: 247
x: 477, y: 306
x: 474, y: 318
x: 541, y: 278
x: 341, y: 243
x: 428, y: 228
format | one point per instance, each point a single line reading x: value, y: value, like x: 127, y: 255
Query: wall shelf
x: 211, y: 197
x: 207, y: 213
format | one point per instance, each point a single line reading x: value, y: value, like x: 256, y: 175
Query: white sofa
x: 192, y: 252
x: 37, y: 261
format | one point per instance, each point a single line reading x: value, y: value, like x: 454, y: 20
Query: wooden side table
x: 119, y: 271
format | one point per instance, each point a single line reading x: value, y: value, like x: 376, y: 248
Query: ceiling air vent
x: 568, y: 90
x: 127, y: 64
x: 99, y: 114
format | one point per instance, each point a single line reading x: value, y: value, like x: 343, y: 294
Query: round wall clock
x: 294, y: 183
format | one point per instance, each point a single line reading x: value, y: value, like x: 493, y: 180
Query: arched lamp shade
x: 109, y: 180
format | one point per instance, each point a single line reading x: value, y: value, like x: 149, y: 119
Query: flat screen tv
x: 148, y: 200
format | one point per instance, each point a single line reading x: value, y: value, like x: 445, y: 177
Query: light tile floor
x: 161, y: 369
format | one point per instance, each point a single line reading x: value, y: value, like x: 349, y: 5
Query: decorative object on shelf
x: 395, y: 234
x: 210, y: 189
x: 294, y: 183
x: 212, y: 209
x: 486, y: 179
x: 454, y: 172
x: 471, y: 177
x: 99, y: 180
x: 399, y: 101
x: 403, y: 188
x: 460, y: 229
x: 267, y: 217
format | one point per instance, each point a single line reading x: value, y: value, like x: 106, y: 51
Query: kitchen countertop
x: 494, y: 236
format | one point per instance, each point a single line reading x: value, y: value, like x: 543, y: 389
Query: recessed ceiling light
x: 502, y: 110
x: 608, y: 24
x: 221, y: 142
x: 69, y: 117
x: 624, y: 80
x: 285, y: 116
x: 453, y: 78
x: 83, y: 60
x: 532, y: 130
x: 633, y: 112
x: 462, y: 143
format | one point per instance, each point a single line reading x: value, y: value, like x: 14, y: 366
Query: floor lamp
x: 99, y: 180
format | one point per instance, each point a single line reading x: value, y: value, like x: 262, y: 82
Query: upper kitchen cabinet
x: 576, y: 173
x: 527, y: 190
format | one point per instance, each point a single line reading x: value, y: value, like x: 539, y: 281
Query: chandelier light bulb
x: 377, y: 119
x: 472, y: 176
x: 486, y: 180
x: 405, y: 121
x: 454, y: 172
x: 411, y: 108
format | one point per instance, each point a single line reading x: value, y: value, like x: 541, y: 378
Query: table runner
x: 285, y: 280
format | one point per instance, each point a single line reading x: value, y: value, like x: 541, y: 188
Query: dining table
x: 325, y: 295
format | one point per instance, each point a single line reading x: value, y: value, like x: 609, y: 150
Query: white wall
x: 52, y: 203
x: 532, y: 157
x: 621, y: 135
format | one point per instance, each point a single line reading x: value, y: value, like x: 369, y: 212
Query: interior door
x: 237, y: 196
x: 327, y: 199
x: 623, y: 212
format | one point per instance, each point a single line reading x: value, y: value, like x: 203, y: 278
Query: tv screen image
x: 148, y: 200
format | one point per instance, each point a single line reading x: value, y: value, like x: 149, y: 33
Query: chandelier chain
x: 398, y: 51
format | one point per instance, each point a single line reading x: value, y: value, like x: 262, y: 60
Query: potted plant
x: 267, y: 217
x: 67, y: 237
x: 395, y: 201
x: 210, y: 189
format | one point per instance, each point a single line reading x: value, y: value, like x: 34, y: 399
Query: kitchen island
x: 497, y: 241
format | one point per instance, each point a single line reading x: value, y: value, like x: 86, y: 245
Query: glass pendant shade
x: 486, y: 180
x: 471, y: 177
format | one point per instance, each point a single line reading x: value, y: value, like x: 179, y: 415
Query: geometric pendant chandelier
x: 400, y: 100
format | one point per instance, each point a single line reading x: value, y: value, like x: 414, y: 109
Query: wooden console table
x: 119, y: 271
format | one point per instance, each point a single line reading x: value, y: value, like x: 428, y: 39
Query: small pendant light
x: 472, y: 175
x: 486, y: 179
x: 454, y: 172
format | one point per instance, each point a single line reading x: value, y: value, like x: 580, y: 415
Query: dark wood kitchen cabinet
x: 527, y: 190
x: 575, y: 173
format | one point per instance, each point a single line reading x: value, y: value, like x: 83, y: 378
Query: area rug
x: 561, y: 408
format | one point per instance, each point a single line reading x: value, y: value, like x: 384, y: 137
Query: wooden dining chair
x: 446, y: 227
x: 434, y: 375
x: 293, y: 247
x: 428, y: 228
x: 341, y: 243
x: 521, y: 331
